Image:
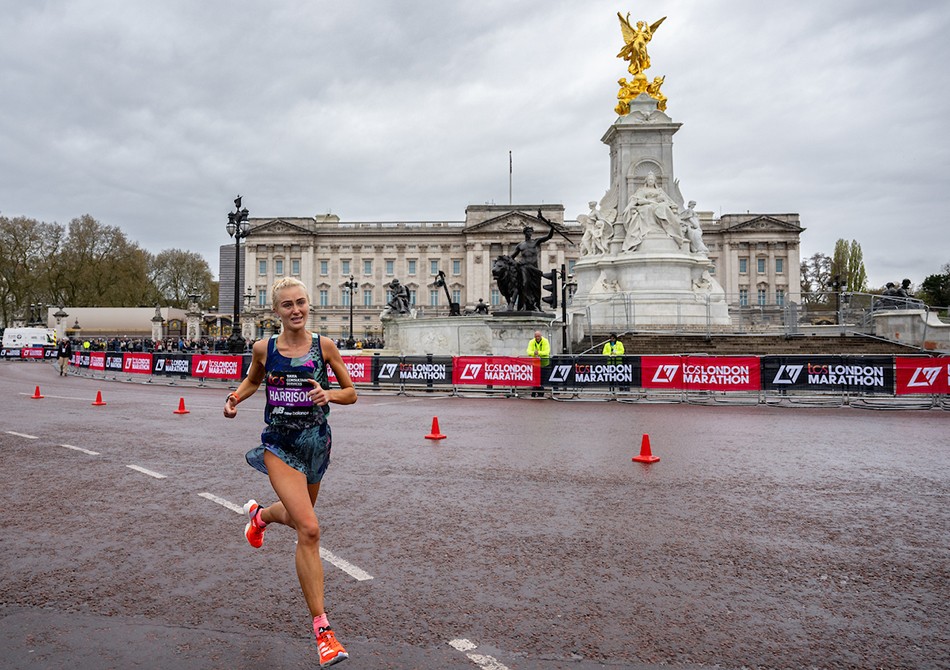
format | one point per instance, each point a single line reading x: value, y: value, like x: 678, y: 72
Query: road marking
x: 29, y: 437
x: 156, y: 475
x: 221, y: 501
x: 85, y: 451
x: 481, y: 660
x: 356, y: 573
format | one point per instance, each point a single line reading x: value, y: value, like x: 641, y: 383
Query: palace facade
x: 348, y: 266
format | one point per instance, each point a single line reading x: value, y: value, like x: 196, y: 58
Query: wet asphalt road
x: 765, y: 537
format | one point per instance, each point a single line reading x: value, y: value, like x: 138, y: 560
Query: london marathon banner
x: 209, y: 366
x: 700, y: 373
x: 171, y: 364
x: 591, y: 371
x: 852, y: 374
x: 496, y: 371
x: 922, y: 375
x: 360, y: 369
x: 414, y: 370
x: 137, y: 363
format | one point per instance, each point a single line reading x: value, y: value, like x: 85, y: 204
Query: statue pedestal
x: 506, y: 334
x: 658, y: 285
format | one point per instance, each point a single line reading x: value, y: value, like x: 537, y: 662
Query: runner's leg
x: 295, y: 509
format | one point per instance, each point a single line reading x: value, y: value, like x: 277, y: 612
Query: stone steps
x: 752, y: 345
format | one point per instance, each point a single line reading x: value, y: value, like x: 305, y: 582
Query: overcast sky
x: 152, y: 116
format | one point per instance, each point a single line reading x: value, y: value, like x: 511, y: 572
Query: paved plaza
x: 770, y: 537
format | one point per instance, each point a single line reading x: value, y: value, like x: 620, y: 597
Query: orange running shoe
x: 253, y: 533
x: 330, y: 650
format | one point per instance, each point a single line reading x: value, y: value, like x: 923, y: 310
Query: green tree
x: 27, y: 247
x: 103, y: 268
x: 815, y: 278
x: 847, y: 264
x: 935, y: 289
x: 857, y: 275
x: 175, y: 273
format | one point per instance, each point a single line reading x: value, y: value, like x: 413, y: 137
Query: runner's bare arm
x: 346, y: 394
x: 250, y: 384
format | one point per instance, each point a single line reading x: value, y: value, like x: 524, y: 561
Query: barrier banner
x: 922, y: 375
x: 700, y: 373
x: 137, y: 363
x: 854, y: 374
x: 418, y: 370
x: 592, y: 371
x: 496, y: 371
x: 171, y: 364
x: 113, y: 361
x: 94, y: 360
x: 212, y: 366
x: 359, y: 367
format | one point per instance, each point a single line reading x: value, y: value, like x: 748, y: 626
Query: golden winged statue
x: 635, y: 43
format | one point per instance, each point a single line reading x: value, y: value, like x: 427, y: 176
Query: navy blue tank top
x: 287, y: 403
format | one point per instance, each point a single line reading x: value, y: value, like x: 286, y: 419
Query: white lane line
x: 483, y: 661
x: 85, y: 451
x: 221, y: 501
x: 356, y: 573
x: 29, y: 437
x: 156, y: 475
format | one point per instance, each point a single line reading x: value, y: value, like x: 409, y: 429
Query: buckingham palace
x: 348, y: 265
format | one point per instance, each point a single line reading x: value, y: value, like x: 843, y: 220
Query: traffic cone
x: 36, y: 394
x: 99, y: 400
x: 181, y: 407
x: 646, y: 456
x: 435, y: 434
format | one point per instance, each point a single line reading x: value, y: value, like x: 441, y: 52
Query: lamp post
x: 238, y: 228
x: 248, y: 298
x: 350, y: 286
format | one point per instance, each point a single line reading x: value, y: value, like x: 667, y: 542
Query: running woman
x: 295, y: 445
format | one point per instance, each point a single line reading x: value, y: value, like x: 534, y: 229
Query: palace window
x: 495, y: 297
x: 368, y: 267
x: 433, y: 297
x: 779, y: 265
x: 324, y: 268
x: 295, y: 267
x: 390, y: 267
x: 368, y: 298
x: 456, y: 295
x: 743, y: 297
x: 324, y: 298
x: 763, y: 295
x: 760, y: 265
x: 456, y: 267
x: 743, y: 266
x: 262, y: 297
x: 345, y: 267
x: 262, y: 267
x: 278, y: 267
x: 412, y: 266
x: 780, y: 297
x: 434, y: 267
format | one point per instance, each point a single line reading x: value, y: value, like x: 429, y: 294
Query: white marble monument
x: 642, y: 253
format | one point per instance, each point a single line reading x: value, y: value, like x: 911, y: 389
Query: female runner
x: 295, y: 445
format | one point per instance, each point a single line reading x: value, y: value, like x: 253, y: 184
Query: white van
x: 19, y: 338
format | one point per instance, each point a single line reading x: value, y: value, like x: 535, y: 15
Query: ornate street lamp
x: 350, y: 286
x: 238, y: 228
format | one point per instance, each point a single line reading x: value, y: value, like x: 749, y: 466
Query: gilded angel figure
x: 635, y: 43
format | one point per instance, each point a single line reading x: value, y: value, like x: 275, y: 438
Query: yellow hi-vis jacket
x: 615, y: 351
x: 540, y: 349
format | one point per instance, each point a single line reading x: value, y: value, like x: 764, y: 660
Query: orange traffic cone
x: 99, y: 400
x: 435, y: 434
x: 181, y: 407
x: 646, y: 456
x: 36, y: 394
